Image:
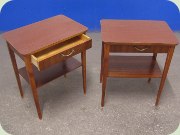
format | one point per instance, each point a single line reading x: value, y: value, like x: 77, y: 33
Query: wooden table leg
x: 166, y: 68
x: 102, y: 55
x: 153, y: 64
x: 83, y: 59
x: 16, y: 71
x: 30, y: 73
x: 105, y: 72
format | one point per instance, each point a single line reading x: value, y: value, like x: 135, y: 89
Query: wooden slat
x: 133, y: 67
x: 45, y: 76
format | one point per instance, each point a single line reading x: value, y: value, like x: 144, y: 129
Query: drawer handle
x: 65, y: 55
x: 141, y: 50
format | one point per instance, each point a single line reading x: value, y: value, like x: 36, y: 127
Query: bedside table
x: 135, y: 36
x: 47, y: 48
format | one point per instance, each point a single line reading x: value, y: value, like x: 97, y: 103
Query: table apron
x: 139, y: 48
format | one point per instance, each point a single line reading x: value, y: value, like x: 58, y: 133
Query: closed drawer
x: 139, y: 48
x: 61, y: 51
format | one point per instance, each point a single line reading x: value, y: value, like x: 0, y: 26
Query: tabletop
x: 137, y: 32
x: 40, y: 35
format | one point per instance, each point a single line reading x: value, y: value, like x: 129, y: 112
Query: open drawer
x: 61, y: 51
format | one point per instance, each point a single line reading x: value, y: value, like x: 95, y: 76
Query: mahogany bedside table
x: 47, y: 48
x: 133, y: 36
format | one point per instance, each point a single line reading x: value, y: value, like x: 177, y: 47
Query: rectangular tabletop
x: 137, y: 32
x: 42, y: 34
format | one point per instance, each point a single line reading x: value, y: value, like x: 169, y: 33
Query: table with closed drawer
x: 135, y: 37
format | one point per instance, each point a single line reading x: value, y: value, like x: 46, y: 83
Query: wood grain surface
x: 137, y: 32
x: 45, y: 76
x: 133, y: 66
x: 40, y: 35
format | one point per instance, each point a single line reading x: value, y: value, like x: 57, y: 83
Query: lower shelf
x: 53, y: 72
x: 133, y: 67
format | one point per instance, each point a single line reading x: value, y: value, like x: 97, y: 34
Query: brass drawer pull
x: 141, y: 50
x: 64, y: 55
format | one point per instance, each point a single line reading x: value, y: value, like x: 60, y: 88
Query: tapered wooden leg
x: 166, y: 68
x: 153, y: 64
x: 105, y: 73
x: 16, y: 71
x: 103, y: 90
x: 102, y: 55
x: 83, y: 59
x: 30, y: 73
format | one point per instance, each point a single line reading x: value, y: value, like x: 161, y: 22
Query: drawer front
x: 64, y: 55
x: 139, y: 49
x: 62, y: 51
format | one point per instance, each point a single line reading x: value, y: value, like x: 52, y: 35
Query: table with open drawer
x: 47, y: 48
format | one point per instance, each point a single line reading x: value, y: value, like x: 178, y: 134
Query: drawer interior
x: 58, y: 48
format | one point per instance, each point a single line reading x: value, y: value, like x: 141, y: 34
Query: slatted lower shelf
x: 133, y: 67
x: 53, y: 72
